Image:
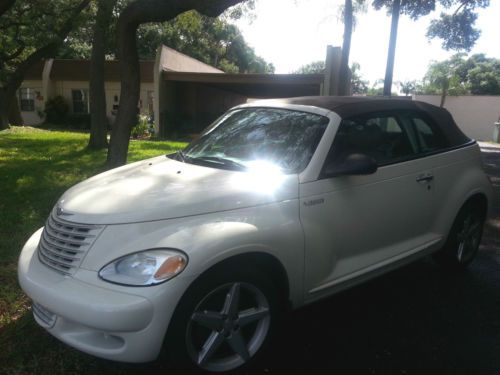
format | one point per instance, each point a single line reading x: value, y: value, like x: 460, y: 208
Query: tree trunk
x: 344, y: 81
x: 129, y: 95
x: 15, y: 117
x: 392, y: 48
x: 136, y: 13
x: 98, y: 119
x: 4, y: 110
x: 444, y: 92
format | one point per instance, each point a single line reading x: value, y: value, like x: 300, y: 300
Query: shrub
x: 56, y: 110
x: 141, y: 128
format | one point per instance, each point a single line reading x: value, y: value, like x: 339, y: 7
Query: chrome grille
x: 64, y: 244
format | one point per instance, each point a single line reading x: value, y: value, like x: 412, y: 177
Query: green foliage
x: 358, y: 84
x: 214, y: 41
x: 56, y: 110
x: 477, y: 75
x: 412, y: 8
x: 141, y: 128
x: 457, y: 30
x: 315, y: 67
x: 407, y: 87
x: 27, y: 26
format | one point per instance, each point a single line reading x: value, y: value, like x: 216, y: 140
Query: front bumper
x: 109, y: 321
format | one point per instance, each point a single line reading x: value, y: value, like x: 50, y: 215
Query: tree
x: 349, y: 10
x: 358, y: 84
x: 135, y: 14
x: 477, y: 75
x: 412, y: 8
x: 456, y: 30
x: 315, y: 67
x: 215, y: 41
x: 407, y: 87
x: 346, y: 49
x: 30, y: 31
x: 98, y: 119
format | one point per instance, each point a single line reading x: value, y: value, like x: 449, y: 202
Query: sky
x: 291, y: 33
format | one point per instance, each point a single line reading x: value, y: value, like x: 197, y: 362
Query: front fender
x: 209, y: 239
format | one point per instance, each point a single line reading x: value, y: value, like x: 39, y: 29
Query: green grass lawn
x: 36, y: 167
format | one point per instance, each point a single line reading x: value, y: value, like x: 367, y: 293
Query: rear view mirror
x: 353, y: 164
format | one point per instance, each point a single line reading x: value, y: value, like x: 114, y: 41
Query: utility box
x: 496, y: 132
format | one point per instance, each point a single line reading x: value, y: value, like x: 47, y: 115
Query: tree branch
x: 50, y: 48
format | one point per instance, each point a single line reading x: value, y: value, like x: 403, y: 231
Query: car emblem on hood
x: 60, y: 212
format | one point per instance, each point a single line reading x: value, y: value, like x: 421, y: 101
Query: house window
x: 80, y: 101
x: 27, y: 99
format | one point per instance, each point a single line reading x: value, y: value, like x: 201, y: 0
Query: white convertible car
x: 279, y: 203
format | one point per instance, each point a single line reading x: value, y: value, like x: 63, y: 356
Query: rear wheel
x: 223, y: 322
x: 463, y: 241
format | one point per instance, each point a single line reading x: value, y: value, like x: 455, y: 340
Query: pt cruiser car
x: 278, y: 204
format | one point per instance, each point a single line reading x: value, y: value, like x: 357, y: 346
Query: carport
x: 191, y: 101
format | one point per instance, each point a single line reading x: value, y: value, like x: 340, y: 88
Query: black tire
x: 464, y: 238
x: 186, y: 337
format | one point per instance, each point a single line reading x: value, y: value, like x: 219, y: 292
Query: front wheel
x: 222, y: 323
x: 464, y: 238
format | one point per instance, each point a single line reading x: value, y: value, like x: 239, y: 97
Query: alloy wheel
x: 468, y: 238
x: 228, y: 327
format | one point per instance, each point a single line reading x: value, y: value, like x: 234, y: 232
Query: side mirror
x: 353, y: 164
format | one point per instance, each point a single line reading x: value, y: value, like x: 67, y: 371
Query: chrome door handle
x: 425, y: 178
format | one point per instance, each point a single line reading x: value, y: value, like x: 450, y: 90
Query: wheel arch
x: 262, y: 262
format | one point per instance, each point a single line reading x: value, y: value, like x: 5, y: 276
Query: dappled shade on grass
x: 36, y: 167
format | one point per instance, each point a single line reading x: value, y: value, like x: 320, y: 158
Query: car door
x: 356, y: 224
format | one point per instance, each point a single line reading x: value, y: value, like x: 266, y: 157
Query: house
x: 176, y: 89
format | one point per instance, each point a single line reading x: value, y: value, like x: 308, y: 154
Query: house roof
x: 254, y: 85
x: 79, y: 70
x: 35, y: 72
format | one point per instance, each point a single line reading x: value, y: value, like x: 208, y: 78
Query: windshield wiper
x: 227, y: 163
x: 181, y: 156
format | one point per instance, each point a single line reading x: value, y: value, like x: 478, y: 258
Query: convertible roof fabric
x: 348, y: 106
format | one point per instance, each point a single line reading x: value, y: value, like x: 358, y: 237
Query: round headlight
x: 149, y: 267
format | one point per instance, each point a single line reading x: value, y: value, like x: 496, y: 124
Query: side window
x: 429, y: 138
x: 379, y: 136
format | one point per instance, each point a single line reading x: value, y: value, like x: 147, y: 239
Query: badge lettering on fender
x: 314, y: 202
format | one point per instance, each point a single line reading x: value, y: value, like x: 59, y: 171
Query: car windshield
x: 254, y: 137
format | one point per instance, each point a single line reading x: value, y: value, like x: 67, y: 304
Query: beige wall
x: 475, y: 115
x: 64, y: 88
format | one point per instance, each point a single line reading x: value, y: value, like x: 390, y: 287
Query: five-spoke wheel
x: 223, y: 322
x: 224, y: 335
x: 463, y: 241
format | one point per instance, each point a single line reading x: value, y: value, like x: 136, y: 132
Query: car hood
x: 162, y: 188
